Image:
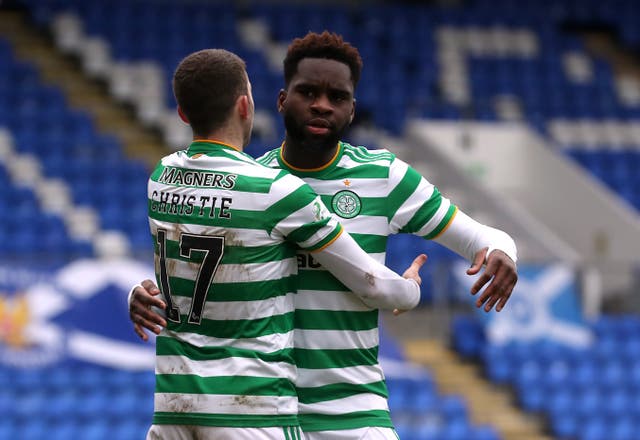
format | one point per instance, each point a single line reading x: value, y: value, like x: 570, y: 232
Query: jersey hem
x: 314, y: 423
x: 225, y: 420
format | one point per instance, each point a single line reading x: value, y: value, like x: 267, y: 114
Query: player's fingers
x: 491, y: 302
x: 150, y: 287
x: 503, y: 302
x: 414, y: 268
x: 140, y: 332
x: 483, y: 298
x: 478, y: 260
x: 500, y: 288
x: 495, y: 288
x: 480, y: 282
x: 140, y: 312
x: 154, y: 317
x: 489, y: 292
x: 413, y: 272
x: 418, y: 262
x: 149, y: 325
x: 148, y: 301
x: 507, y: 292
x: 489, y: 272
x: 142, y: 296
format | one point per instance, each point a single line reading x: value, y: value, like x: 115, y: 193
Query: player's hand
x: 501, y: 274
x: 413, y: 272
x: 141, y: 313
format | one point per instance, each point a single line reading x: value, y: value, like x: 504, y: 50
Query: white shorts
x: 192, y: 432
x: 370, y: 433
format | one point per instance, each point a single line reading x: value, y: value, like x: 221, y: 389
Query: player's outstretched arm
x: 488, y: 248
x: 142, y: 298
x: 376, y: 285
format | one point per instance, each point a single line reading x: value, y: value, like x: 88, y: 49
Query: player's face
x: 318, y: 105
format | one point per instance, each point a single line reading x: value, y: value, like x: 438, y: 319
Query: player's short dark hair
x: 206, y: 85
x: 325, y: 45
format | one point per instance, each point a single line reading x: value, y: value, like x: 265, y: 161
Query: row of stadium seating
x: 72, y: 401
x: 537, y: 75
x: 99, y: 403
x: 585, y: 393
x: 66, y: 146
x: 449, y: 63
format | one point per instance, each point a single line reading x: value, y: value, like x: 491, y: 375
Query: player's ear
x: 183, y: 117
x: 282, y: 96
x: 353, y: 111
x: 243, y: 106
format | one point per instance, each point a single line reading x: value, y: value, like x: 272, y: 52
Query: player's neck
x: 227, y: 136
x: 299, y: 156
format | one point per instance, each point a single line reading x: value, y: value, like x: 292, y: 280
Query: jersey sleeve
x: 299, y: 215
x: 375, y: 284
x: 415, y: 205
x: 466, y: 237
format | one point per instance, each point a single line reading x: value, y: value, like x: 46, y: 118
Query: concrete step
x: 488, y: 403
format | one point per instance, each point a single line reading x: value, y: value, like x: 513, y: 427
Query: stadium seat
x: 485, y: 433
x: 565, y: 425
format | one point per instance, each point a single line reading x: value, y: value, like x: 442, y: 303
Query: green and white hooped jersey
x: 373, y: 194
x: 226, y: 230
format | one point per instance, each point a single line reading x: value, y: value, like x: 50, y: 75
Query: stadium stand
x: 588, y: 393
x: 483, y: 61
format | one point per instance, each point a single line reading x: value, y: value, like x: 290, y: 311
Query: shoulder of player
x: 362, y: 154
x: 233, y: 162
x: 171, y: 159
x: 269, y: 158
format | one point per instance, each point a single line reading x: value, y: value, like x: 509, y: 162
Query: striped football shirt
x: 226, y: 230
x: 373, y: 194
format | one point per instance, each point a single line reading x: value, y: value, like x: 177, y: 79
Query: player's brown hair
x: 206, y: 85
x: 325, y: 45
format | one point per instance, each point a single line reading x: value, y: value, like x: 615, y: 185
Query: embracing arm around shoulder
x: 375, y: 284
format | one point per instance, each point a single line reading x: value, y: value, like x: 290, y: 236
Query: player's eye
x: 339, y: 97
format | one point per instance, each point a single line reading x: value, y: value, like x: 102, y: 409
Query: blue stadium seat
x: 485, y: 432
x: 64, y: 429
x: 594, y: 428
x: 129, y: 429
x: 531, y: 397
x: 63, y: 404
x: 92, y: 405
x: 468, y: 337
x: 624, y: 428
x: 453, y: 408
x: 565, y: 425
x: 34, y: 429
x: 498, y: 365
x: 458, y: 429
x: 96, y: 429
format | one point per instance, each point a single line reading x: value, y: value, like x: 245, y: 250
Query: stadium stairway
x: 81, y: 91
x: 488, y: 404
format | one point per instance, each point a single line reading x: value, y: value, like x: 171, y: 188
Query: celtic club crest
x: 346, y: 204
